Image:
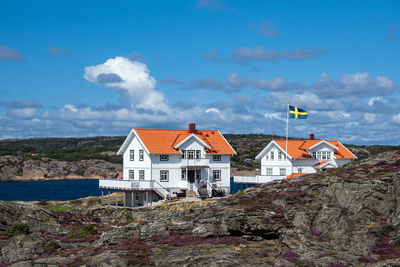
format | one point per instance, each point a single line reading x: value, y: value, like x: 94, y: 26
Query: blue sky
x: 86, y: 68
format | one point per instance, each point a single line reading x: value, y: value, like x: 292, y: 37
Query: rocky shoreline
x: 342, y: 217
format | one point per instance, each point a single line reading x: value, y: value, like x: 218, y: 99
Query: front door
x: 191, y: 176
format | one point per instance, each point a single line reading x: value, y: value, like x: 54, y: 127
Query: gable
x: 163, y: 141
x: 272, y: 146
x: 192, y: 142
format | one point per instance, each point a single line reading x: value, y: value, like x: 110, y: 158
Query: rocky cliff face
x: 348, y: 216
x: 18, y: 168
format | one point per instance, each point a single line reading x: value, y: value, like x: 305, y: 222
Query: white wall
x: 275, y: 163
x: 136, y: 165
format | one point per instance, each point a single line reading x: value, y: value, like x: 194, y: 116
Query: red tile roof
x: 320, y: 163
x: 163, y: 141
x: 294, y: 175
x: 297, y: 148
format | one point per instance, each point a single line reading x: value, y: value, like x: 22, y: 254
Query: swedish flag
x: 297, y: 113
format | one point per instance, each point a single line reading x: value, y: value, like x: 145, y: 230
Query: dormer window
x: 217, y: 158
x: 164, y: 157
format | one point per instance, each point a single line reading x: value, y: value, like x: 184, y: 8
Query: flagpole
x: 287, y: 127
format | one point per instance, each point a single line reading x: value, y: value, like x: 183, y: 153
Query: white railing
x: 209, y: 188
x: 160, y: 189
x: 258, y: 179
x: 193, y: 187
x: 195, y: 162
x: 118, y: 184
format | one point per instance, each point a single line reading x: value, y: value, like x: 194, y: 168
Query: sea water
x: 49, y: 190
x: 56, y: 190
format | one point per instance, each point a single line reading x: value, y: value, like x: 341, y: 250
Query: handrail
x: 209, y: 188
x: 158, y: 187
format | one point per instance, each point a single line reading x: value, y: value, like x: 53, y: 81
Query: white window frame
x: 183, y: 153
x: 164, y: 175
x: 314, y: 155
x: 131, y: 175
x: 217, y: 175
x: 164, y: 157
x: 282, y: 171
x: 190, y: 154
x: 216, y: 157
x: 141, y: 155
x: 141, y: 174
x: 319, y: 155
x: 131, y: 155
x: 198, y: 154
x: 197, y: 174
x: 272, y: 154
x: 183, y: 175
x: 268, y: 171
x: 299, y: 170
x: 280, y: 155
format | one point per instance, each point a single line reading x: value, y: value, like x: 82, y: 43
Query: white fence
x: 202, y: 162
x: 258, y: 179
x: 118, y: 184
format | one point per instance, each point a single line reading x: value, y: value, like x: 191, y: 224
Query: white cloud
x: 374, y: 100
x: 370, y: 117
x: 136, y: 86
x: 396, y: 118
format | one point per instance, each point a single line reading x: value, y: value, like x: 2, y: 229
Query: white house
x: 158, y: 163
x: 302, y: 157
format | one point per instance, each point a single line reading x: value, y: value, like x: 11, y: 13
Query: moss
x: 83, y: 231
x: 61, y: 208
x: 16, y: 229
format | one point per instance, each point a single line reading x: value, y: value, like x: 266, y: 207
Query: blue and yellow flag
x: 297, y: 113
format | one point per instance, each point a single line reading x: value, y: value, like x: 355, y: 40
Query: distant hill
x: 95, y: 157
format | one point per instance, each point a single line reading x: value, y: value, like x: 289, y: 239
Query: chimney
x: 192, y: 127
x: 311, y: 136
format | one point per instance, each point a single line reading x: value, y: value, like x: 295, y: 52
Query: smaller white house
x: 158, y: 163
x: 301, y: 158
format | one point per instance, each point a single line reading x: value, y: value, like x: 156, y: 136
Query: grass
x: 16, y: 229
x: 61, y: 208
x: 83, y: 231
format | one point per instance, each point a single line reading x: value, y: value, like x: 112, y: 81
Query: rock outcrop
x: 342, y: 217
x: 14, y: 168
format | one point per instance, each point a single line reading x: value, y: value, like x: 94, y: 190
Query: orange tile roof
x: 294, y: 175
x: 163, y: 141
x: 320, y: 163
x: 297, y: 148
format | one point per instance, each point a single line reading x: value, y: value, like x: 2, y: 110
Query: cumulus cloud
x: 277, y: 84
x: 25, y: 104
x: 9, y: 54
x: 265, y: 29
x: 171, y: 80
x: 213, y: 56
x: 244, y: 55
x: 21, y: 113
x: 57, y: 51
x: 360, y: 84
x: 130, y: 79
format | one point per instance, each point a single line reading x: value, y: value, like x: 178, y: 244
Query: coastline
x: 57, y: 178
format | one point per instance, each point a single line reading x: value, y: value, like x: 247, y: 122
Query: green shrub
x: 61, y: 208
x: 16, y: 229
x: 84, y: 230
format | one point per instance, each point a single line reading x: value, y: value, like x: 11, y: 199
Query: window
x: 217, y: 175
x: 141, y: 175
x: 267, y: 156
x: 319, y: 155
x: 132, y: 155
x: 198, y: 174
x: 198, y: 154
x: 280, y: 155
x: 299, y: 170
x: 183, y: 153
x: 144, y: 196
x: 137, y: 196
x: 314, y: 155
x: 217, y: 158
x: 190, y: 154
x: 164, y: 176
x: 268, y: 171
x: 272, y: 154
x: 282, y: 171
x: 141, y: 155
x: 164, y: 157
x: 183, y: 175
x: 131, y: 174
